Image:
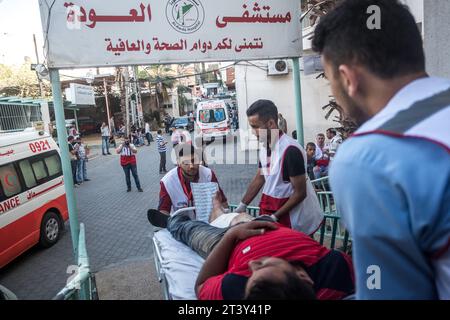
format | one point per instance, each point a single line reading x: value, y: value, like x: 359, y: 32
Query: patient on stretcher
x: 256, y: 258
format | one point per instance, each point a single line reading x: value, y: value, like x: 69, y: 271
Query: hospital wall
x: 253, y: 83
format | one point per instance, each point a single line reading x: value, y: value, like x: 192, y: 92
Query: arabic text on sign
x: 81, y: 16
x: 256, y: 17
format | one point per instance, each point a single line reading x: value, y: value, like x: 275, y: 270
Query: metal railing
x: 331, y: 233
x: 82, y: 286
x: 17, y: 117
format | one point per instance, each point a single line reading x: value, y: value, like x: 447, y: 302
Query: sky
x: 19, y: 20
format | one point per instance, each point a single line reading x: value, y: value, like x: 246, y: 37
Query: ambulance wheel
x: 50, y: 229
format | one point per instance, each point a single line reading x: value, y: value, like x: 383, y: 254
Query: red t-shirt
x: 165, y: 203
x: 331, y: 271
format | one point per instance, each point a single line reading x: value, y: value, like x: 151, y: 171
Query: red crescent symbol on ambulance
x: 7, y: 180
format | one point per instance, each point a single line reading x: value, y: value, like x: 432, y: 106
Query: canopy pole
x: 298, y: 101
x: 65, y: 158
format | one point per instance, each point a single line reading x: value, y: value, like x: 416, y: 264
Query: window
x: 212, y: 115
x: 10, y: 180
x: 27, y: 172
x: 39, y: 170
x: 30, y: 173
x: 53, y: 165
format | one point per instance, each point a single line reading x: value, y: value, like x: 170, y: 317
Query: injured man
x: 258, y: 259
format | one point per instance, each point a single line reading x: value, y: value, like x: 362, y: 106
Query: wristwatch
x: 274, y: 217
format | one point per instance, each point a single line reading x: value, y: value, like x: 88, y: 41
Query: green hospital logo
x: 185, y: 16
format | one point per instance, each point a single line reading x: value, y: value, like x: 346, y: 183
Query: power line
x: 248, y: 63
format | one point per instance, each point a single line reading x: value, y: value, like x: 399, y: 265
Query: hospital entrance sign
x: 95, y: 33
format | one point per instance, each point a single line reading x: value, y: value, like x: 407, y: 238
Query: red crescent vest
x: 178, y: 195
x: 307, y: 216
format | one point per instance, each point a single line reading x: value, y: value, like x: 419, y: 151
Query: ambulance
x: 212, y: 119
x: 33, y: 207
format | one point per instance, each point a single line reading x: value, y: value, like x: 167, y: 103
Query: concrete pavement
x: 118, y: 234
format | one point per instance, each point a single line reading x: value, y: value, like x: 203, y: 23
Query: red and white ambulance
x: 33, y: 205
x: 212, y: 119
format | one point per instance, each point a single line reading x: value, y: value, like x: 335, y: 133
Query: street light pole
x: 41, y: 90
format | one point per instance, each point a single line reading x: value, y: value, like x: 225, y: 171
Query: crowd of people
x: 320, y: 154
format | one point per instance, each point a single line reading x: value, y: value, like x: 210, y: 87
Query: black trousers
x: 73, y: 164
x: 162, y: 162
x: 133, y: 169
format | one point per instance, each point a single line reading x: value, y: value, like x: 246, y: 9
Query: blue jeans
x: 105, y: 145
x: 320, y: 171
x: 81, y: 170
x: 133, y: 169
x: 199, y: 236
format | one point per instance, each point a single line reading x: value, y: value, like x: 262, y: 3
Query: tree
x: 21, y: 81
x: 183, y: 102
x: 161, y: 78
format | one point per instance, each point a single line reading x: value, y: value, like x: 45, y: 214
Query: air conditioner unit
x: 277, y: 67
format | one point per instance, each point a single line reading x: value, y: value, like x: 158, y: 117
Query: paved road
x: 116, y: 225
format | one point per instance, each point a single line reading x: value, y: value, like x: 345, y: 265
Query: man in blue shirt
x: 391, y: 180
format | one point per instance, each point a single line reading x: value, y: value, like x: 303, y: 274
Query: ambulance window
x: 27, y: 172
x: 53, y: 165
x: 9, y: 180
x: 39, y: 170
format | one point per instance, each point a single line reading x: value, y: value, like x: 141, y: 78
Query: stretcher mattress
x: 180, y: 265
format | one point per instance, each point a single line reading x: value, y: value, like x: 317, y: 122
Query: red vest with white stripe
x: 307, y: 215
x: 177, y: 193
x: 127, y: 157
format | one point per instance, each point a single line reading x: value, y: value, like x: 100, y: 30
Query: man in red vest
x: 127, y: 153
x: 176, y: 184
x: 287, y: 194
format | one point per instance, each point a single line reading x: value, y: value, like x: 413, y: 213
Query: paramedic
x: 175, y: 192
x: 391, y: 179
x: 287, y: 194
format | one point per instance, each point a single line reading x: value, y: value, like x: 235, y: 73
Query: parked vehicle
x: 33, y: 205
x: 212, y: 119
x: 182, y: 123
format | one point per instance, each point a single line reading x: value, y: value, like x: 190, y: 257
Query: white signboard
x: 89, y: 33
x: 80, y: 94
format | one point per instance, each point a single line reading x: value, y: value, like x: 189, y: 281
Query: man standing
x: 335, y: 141
x: 105, y: 138
x: 176, y: 184
x: 391, y: 179
x: 82, y: 159
x: 288, y: 195
x: 127, y: 153
x: 148, y: 133
x: 112, y: 126
x: 162, y: 149
x: 282, y: 124
x: 73, y: 159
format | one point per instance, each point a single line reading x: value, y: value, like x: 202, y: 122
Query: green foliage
x: 20, y: 81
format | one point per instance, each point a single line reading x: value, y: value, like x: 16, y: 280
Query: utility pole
x: 126, y: 76
x: 41, y: 90
x: 107, y: 103
x: 138, y: 96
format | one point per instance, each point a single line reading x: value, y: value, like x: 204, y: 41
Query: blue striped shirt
x: 160, y: 142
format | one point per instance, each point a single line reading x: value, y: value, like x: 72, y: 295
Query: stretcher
x: 177, y: 265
